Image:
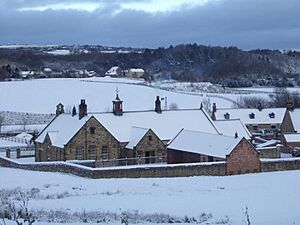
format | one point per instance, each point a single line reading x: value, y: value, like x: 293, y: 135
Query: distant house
x: 267, y: 122
x: 114, y: 71
x: 194, y: 146
x: 116, y: 135
x: 135, y: 73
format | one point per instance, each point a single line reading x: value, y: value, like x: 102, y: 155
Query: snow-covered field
x: 271, y: 198
x: 42, y: 96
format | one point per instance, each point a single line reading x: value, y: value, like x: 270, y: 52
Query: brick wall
x: 243, y: 159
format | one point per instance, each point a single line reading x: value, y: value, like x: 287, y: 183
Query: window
x: 104, y: 152
x: 79, y: 153
x: 92, y: 130
x: 254, y: 127
x: 272, y: 115
x: 252, y: 115
x: 92, y: 152
x: 149, y: 139
x: 273, y: 127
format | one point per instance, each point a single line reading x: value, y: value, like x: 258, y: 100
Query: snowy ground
x: 42, y: 96
x: 272, y: 198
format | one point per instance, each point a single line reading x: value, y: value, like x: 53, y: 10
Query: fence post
x: 18, y: 153
x: 7, y: 153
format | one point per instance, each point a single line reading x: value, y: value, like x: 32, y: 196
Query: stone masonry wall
x: 84, y: 138
x: 154, y: 145
x: 205, y: 169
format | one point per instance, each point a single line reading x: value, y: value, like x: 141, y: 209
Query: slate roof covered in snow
x: 136, y: 134
x: 295, y: 116
x: 292, y: 137
x: 232, y: 126
x: 264, y: 116
x: 166, y: 125
x: 204, y: 143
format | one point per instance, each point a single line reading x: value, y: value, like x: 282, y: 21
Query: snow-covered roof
x: 112, y: 71
x: 10, y: 144
x: 295, y: 116
x: 166, y: 125
x: 204, y: 143
x: 264, y: 116
x: 292, y: 137
x: 62, y: 129
x: 24, y: 136
x: 231, y: 127
x: 267, y: 144
x: 136, y: 134
x: 137, y: 70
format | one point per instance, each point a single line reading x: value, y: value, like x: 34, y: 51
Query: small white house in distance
x: 135, y: 73
x: 114, y: 71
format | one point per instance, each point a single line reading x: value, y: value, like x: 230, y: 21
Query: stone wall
x: 269, y: 152
x: 197, y: 169
x: 208, y: 169
x: 268, y: 165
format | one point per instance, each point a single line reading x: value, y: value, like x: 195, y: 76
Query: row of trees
x: 279, y: 98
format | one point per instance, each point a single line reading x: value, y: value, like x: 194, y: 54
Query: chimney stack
x: 82, y: 109
x: 157, y: 105
x: 60, y: 109
x: 74, y: 111
x: 214, y: 110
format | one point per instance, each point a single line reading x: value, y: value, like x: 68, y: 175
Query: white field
x: 272, y: 198
x: 42, y: 96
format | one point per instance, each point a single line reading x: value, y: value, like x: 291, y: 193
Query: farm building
x: 194, y: 146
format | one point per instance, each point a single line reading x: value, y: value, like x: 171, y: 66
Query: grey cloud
x: 247, y: 24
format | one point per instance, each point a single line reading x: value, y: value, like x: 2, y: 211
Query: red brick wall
x: 243, y: 159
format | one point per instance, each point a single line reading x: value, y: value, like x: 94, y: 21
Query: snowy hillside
x: 271, y: 198
x: 42, y: 96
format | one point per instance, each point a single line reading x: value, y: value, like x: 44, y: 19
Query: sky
x: 247, y: 24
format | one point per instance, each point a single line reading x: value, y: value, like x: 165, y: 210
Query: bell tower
x: 117, y: 105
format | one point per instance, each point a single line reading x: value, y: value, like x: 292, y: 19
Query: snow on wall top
x: 204, y: 143
x: 232, y: 126
x: 264, y: 116
x: 166, y: 124
x: 295, y: 119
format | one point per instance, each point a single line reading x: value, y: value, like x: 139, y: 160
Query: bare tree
x: 16, y: 209
x: 281, y: 96
x: 246, y: 214
x: 173, y: 106
x: 2, y: 117
x: 206, y: 104
x: 252, y: 102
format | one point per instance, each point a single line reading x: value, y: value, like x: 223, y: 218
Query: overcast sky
x: 247, y: 24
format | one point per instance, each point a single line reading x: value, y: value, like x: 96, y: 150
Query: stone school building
x: 123, y: 138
